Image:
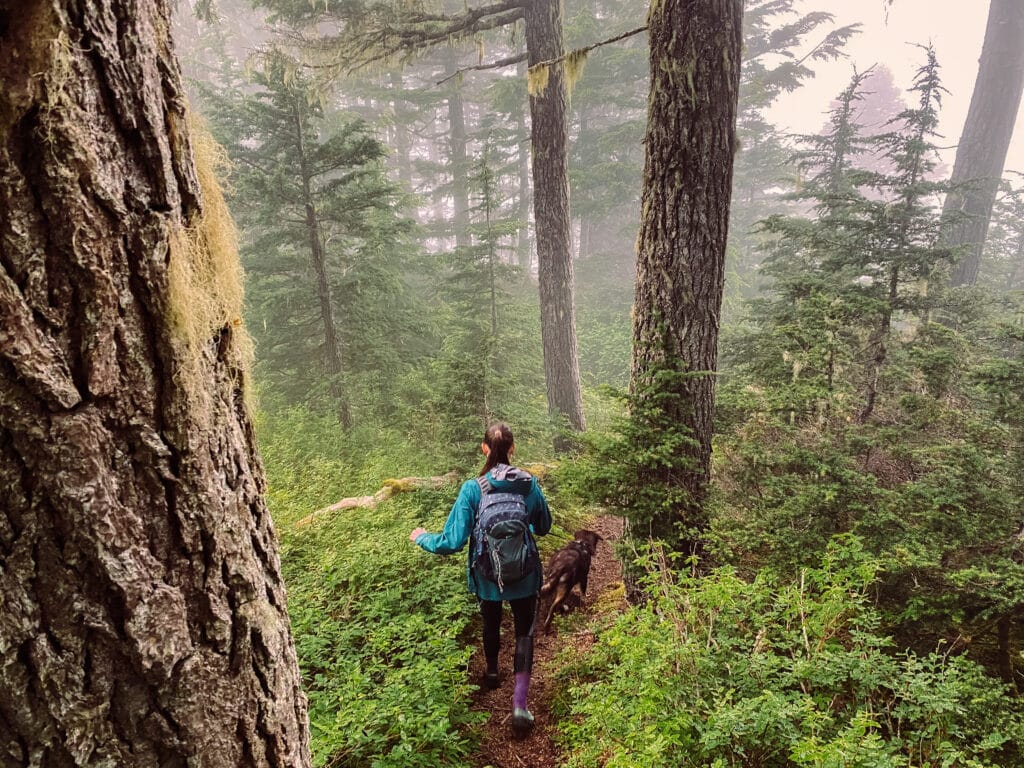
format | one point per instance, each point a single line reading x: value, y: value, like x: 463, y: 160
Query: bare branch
x: 586, y: 49
x: 507, y: 62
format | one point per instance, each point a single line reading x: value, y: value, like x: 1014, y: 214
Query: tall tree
x: 690, y: 142
x: 981, y: 154
x: 324, y: 242
x: 380, y: 31
x: 144, y: 618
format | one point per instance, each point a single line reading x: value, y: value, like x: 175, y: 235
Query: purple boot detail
x: 522, y: 690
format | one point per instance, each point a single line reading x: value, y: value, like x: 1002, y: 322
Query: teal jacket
x: 459, y: 528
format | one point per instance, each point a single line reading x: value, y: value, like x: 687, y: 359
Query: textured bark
x: 695, y: 63
x: 549, y: 140
x: 143, y: 617
x: 981, y: 153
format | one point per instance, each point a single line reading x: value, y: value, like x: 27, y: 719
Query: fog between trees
x: 792, y: 362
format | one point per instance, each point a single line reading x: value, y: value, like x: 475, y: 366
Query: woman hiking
x: 500, y: 511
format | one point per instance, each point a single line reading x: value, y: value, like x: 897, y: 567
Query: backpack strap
x: 485, y: 485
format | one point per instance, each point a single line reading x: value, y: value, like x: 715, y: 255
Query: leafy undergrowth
x: 723, y: 672
x: 384, y: 634
x: 380, y: 631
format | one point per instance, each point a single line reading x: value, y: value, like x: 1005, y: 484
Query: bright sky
x: 955, y: 27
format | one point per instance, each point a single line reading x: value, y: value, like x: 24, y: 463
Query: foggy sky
x: 955, y: 27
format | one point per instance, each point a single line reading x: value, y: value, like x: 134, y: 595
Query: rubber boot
x: 522, y: 720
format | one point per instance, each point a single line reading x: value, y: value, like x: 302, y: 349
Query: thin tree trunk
x: 332, y: 347
x: 144, y: 619
x: 523, y: 236
x: 402, y: 143
x: 691, y: 124
x: 981, y: 154
x: 583, y: 250
x: 549, y: 143
x: 457, y: 156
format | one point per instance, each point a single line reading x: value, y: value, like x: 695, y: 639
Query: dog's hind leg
x: 561, y: 590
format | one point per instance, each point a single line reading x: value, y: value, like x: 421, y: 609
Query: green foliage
x: 381, y: 628
x: 719, y: 671
x: 326, y: 253
x: 488, y: 367
x: 641, y: 466
x: 1003, y: 262
x: 380, y: 632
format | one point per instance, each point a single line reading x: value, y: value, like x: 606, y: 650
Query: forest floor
x: 500, y: 747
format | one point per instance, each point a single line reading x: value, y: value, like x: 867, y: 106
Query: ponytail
x: 499, y: 440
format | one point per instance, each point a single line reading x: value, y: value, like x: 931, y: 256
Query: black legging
x: 524, y: 611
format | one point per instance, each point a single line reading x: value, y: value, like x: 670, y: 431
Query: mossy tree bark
x: 695, y: 65
x: 981, y: 153
x: 549, y: 137
x: 144, y: 618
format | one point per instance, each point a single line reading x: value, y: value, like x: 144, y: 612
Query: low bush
x: 381, y: 632
x: 719, y: 671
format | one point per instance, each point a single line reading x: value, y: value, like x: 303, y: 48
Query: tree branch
x: 391, y: 487
x: 588, y: 48
x: 507, y: 62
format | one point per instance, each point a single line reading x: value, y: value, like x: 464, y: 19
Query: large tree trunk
x: 695, y: 64
x: 981, y: 154
x: 549, y: 141
x: 143, y: 619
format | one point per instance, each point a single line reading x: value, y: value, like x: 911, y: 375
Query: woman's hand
x: 415, y: 534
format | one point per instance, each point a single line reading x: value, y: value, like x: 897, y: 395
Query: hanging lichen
x: 575, y: 61
x: 537, y: 79
x: 205, y: 275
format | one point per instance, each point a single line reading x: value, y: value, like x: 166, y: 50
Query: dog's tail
x: 550, y: 584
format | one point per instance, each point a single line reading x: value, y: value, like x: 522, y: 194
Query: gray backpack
x: 504, y: 550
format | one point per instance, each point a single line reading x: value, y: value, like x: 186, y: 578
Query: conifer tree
x: 681, y: 247
x: 325, y: 248
x: 382, y: 31
x: 1002, y: 268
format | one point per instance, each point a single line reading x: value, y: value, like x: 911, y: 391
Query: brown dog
x: 568, y: 567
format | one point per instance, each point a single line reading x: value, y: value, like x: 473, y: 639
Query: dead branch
x: 588, y: 48
x: 507, y: 62
x: 390, y: 488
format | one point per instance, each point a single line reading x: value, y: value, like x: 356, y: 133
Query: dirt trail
x: 500, y: 747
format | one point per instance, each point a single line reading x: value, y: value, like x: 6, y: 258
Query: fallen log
x: 390, y: 488
x: 405, y: 485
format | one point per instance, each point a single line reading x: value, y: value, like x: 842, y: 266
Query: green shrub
x: 719, y: 671
x: 380, y: 628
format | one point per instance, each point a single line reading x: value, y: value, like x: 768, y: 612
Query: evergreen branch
x: 831, y: 37
x: 506, y: 62
x: 588, y: 48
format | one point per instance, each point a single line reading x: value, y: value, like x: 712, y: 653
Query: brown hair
x: 498, y: 438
